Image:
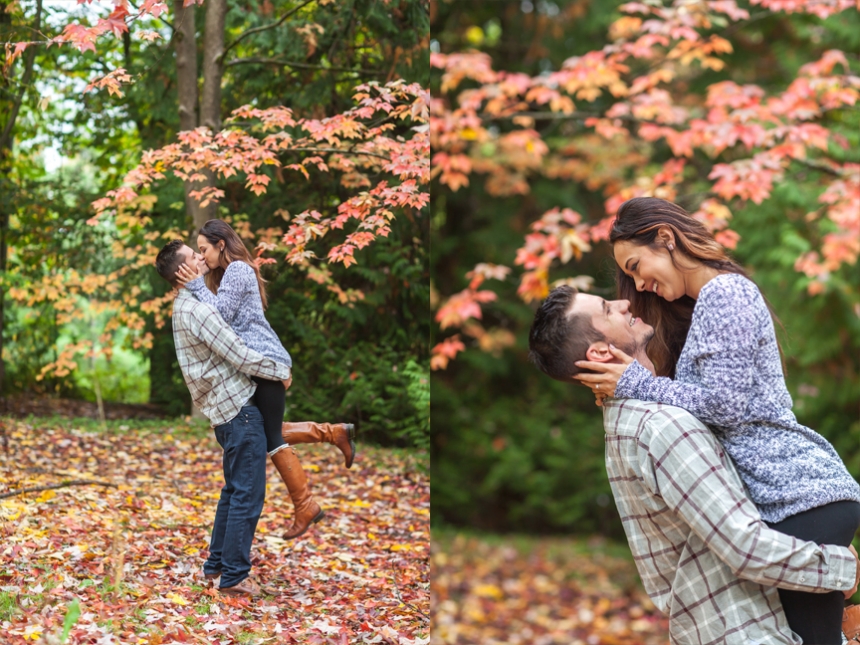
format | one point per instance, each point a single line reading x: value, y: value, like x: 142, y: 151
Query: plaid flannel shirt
x: 706, y: 558
x: 215, y: 362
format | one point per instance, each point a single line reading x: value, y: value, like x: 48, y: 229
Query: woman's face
x: 651, y: 269
x: 211, y: 252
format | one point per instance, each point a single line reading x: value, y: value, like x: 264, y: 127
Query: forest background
x: 512, y: 450
x: 82, y: 307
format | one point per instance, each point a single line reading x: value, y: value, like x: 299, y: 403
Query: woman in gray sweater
x: 716, y: 355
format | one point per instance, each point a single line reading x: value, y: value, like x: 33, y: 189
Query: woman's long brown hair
x: 215, y: 231
x: 638, y: 221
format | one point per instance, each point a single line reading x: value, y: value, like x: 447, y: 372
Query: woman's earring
x: 671, y: 247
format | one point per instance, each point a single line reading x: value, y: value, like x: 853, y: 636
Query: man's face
x: 190, y: 258
x: 613, y: 319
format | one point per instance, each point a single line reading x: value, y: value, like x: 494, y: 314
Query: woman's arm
x: 721, y: 400
x: 238, y: 282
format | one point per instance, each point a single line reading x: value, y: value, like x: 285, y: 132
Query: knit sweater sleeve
x: 238, y: 280
x: 721, y: 345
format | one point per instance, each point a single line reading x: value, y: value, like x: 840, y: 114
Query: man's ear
x: 599, y: 353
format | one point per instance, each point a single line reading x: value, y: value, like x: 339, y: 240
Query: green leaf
x: 71, y: 618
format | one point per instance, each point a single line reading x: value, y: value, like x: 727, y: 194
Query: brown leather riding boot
x: 307, y: 510
x: 340, y: 435
x: 851, y: 624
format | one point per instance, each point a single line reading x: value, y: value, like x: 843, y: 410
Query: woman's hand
x: 185, y: 273
x: 288, y: 383
x: 606, y: 375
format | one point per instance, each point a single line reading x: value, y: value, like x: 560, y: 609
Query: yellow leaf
x: 33, y: 632
x: 475, y: 35
x: 400, y: 547
x: 48, y: 494
x: 489, y: 591
x: 176, y: 599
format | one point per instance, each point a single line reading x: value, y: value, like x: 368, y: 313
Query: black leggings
x: 817, y: 617
x: 270, y: 401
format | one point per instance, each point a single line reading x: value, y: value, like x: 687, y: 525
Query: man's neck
x: 644, y: 361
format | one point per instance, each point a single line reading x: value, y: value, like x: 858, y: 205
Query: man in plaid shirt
x: 216, y: 365
x: 706, y: 558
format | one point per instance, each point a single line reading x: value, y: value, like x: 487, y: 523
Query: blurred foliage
x: 513, y: 450
x: 349, y: 357
x: 521, y: 589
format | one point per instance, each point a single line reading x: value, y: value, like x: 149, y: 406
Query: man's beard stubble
x: 633, y: 349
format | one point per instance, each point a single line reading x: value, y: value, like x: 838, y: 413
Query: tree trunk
x: 213, y: 67
x: 185, y: 45
x: 6, y: 161
x: 210, y: 99
x: 210, y: 104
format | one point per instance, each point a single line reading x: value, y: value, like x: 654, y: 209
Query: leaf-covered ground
x: 521, y: 591
x: 131, y: 554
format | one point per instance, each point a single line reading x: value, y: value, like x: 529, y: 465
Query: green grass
x: 246, y: 638
x: 178, y: 428
x: 8, y: 605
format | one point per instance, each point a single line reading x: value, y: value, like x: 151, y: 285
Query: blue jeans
x: 241, y: 501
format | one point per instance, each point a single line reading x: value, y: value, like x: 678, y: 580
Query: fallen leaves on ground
x: 131, y: 554
x: 537, y: 592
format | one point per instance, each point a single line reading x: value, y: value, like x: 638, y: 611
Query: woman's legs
x: 269, y: 398
x: 817, y: 617
x: 270, y: 401
x: 340, y: 435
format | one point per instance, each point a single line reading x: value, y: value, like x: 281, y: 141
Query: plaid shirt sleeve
x: 217, y: 335
x: 679, y: 463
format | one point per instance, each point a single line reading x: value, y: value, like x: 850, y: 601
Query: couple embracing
x: 238, y: 372
x: 740, y: 519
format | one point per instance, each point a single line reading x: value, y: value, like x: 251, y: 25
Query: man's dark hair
x: 169, y: 260
x: 558, y: 337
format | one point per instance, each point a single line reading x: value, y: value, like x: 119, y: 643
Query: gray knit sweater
x: 729, y: 375
x: 238, y: 301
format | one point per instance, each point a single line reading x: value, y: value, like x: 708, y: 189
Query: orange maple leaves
x: 111, y: 81
x: 483, y: 123
x: 342, y: 142
x: 381, y: 146
x: 83, y: 37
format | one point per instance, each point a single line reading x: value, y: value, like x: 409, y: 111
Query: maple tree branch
x: 257, y: 30
x: 344, y: 152
x: 297, y: 65
x: 542, y: 116
x: 819, y: 167
x: 63, y: 484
